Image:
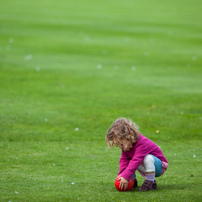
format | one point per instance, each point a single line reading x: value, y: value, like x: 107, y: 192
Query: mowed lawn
x: 69, y: 69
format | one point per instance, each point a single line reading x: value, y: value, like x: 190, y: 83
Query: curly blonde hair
x: 122, y: 129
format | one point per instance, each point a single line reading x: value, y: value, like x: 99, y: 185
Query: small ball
x: 130, y: 184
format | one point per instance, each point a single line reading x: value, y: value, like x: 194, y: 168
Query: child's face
x: 125, y: 145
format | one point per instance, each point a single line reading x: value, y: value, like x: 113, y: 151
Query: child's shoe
x: 154, y: 185
x: 148, y: 185
x: 135, y: 183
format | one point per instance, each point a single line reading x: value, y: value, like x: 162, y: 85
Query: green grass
x: 82, y: 64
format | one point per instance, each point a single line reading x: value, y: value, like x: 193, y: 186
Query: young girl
x: 138, y: 153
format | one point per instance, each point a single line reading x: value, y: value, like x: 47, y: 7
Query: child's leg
x: 135, y: 180
x: 134, y: 176
x: 151, y: 167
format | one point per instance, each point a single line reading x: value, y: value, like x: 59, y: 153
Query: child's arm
x: 141, y: 151
x: 123, y: 163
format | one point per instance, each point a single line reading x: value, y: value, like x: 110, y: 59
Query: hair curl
x: 120, y: 130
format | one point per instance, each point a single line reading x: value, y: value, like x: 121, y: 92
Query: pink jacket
x: 131, y: 160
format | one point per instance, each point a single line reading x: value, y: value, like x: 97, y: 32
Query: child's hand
x: 123, y: 183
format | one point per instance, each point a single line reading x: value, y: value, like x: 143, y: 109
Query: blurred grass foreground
x: 68, y: 69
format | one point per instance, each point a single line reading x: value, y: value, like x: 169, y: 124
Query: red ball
x: 130, y: 184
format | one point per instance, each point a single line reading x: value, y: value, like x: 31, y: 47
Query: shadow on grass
x: 169, y: 187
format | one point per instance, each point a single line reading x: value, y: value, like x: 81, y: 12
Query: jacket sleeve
x: 123, y: 163
x: 141, y: 151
